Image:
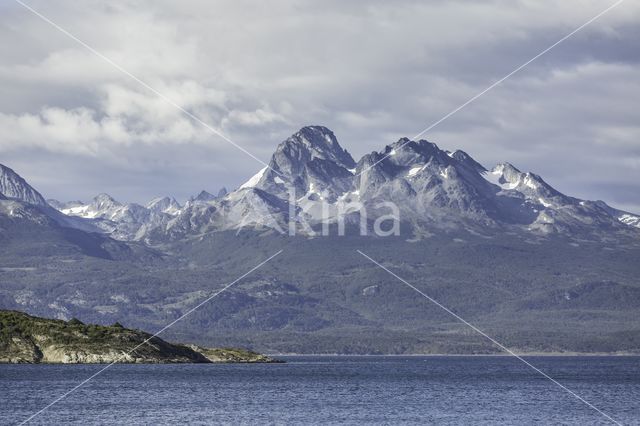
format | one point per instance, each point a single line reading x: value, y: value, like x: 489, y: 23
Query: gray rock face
x: 222, y: 192
x: 307, y: 144
x: 427, y: 183
x: 14, y: 186
x: 311, y: 160
x: 204, y: 197
x: 167, y: 205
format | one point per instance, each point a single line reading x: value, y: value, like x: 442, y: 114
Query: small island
x: 29, y: 339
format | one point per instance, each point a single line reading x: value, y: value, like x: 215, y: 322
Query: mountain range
x: 500, y: 245
x: 434, y: 189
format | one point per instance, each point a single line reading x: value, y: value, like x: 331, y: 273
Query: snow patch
x: 530, y: 182
x: 254, y: 180
x: 415, y: 170
x: 630, y: 220
x: 494, y: 177
x: 76, y: 211
x: 544, y: 202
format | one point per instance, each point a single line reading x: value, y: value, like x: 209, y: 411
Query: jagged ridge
x: 433, y: 189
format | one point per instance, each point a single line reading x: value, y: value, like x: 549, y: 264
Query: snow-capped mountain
x: 14, y: 186
x: 128, y: 221
x: 20, y: 201
x: 310, y: 161
x: 311, y: 180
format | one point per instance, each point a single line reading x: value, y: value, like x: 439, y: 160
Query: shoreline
x: 527, y: 354
x: 345, y: 356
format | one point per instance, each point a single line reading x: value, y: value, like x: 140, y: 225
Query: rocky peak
x: 308, y: 161
x: 507, y: 176
x: 104, y: 202
x: 12, y: 185
x: 309, y: 143
x: 404, y: 158
x: 204, y: 197
x: 468, y: 161
x: 164, y: 205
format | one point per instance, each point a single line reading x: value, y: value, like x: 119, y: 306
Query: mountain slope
x: 14, y: 186
x: 30, y: 227
x: 533, y: 293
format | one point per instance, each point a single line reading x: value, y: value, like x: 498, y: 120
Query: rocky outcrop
x: 233, y: 355
x: 28, y: 339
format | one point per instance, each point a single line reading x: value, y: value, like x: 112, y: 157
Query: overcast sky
x: 373, y: 72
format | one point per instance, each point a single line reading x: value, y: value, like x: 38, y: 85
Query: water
x: 329, y: 390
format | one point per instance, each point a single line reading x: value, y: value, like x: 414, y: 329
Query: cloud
x: 372, y: 72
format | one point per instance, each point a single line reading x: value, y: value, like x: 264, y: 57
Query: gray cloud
x: 372, y: 72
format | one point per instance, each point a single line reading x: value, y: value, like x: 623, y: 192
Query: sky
x: 75, y: 125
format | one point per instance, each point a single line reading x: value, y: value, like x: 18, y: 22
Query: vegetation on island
x: 28, y: 339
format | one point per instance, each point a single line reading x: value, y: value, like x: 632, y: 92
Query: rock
x: 233, y: 355
x: 29, y: 339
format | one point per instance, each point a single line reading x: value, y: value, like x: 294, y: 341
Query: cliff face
x: 28, y: 339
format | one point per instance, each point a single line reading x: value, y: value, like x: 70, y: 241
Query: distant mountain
x: 312, y: 179
x: 445, y: 190
x: 30, y: 225
x: 167, y: 205
x: 129, y: 221
x: 310, y: 160
x: 203, y: 197
x: 14, y: 186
